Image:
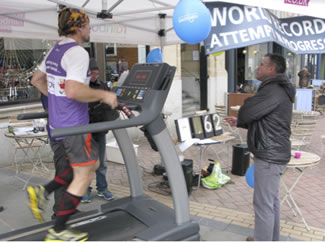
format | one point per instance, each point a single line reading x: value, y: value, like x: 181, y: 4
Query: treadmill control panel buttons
x: 130, y: 93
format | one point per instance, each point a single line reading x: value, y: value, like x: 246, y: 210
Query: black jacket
x: 267, y: 116
x: 99, y: 112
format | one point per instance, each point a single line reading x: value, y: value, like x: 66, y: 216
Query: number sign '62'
x: 204, y: 126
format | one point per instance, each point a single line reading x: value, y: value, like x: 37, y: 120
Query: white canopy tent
x: 133, y: 21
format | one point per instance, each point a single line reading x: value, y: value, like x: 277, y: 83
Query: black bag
x: 149, y: 138
x: 100, y: 112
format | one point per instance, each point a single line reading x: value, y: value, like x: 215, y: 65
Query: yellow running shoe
x: 68, y: 234
x: 37, y: 201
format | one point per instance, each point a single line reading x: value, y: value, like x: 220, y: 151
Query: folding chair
x: 323, y: 144
x: 301, y: 133
x: 320, y: 103
x: 27, y: 148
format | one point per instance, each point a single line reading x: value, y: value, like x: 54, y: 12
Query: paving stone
x: 300, y: 237
x: 236, y: 199
x: 313, y: 236
x: 316, y: 232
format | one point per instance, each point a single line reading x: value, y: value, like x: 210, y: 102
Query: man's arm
x: 256, y: 107
x: 82, y: 93
x: 39, y: 81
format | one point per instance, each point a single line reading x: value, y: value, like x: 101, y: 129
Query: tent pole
x: 27, y: 11
x: 114, y: 6
x: 32, y: 22
x: 104, y: 4
x: 133, y: 19
x: 160, y: 2
x: 73, y: 6
x: 85, y: 3
x: 162, y: 32
x: 143, y: 10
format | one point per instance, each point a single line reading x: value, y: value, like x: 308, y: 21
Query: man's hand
x: 110, y: 98
x: 231, y: 120
x: 82, y: 93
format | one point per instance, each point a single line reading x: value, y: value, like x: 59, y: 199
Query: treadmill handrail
x: 34, y: 115
x: 149, y: 114
x: 147, y: 118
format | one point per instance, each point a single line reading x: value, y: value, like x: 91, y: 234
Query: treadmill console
x: 142, y: 78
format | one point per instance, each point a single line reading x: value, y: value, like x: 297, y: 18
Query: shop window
x: 291, y: 61
x: 253, y: 57
x: 18, y: 61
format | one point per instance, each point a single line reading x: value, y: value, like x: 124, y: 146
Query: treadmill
x: 138, y: 216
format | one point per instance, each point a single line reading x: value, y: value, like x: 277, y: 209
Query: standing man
x: 304, y: 77
x: 64, y: 77
x: 99, y: 112
x: 267, y: 116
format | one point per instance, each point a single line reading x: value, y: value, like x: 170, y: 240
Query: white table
x: 30, y: 144
x: 203, y: 145
x: 307, y: 160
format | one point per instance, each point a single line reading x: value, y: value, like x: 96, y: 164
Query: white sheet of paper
x: 207, y: 141
x: 19, y: 131
x: 187, y: 143
x: 22, y: 130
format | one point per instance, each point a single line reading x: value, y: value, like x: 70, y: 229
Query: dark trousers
x: 101, y: 182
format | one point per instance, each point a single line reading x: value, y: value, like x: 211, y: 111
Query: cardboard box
x: 114, y: 154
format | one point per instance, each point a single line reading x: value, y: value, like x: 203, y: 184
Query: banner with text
x: 235, y: 26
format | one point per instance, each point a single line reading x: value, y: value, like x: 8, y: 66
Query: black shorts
x: 81, y: 149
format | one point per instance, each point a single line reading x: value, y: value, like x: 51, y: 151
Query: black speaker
x: 240, y: 159
x: 187, y: 166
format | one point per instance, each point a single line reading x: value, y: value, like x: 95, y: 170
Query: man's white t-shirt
x: 75, y: 61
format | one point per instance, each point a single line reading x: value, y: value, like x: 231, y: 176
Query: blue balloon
x: 192, y: 21
x: 250, y: 176
x: 154, y: 56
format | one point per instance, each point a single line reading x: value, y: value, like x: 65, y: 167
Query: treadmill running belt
x: 117, y: 226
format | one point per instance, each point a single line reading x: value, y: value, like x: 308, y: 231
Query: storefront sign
x: 235, y: 26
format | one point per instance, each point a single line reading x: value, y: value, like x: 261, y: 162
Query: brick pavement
x: 233, y: 202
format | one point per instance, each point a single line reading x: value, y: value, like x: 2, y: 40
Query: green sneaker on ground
x: 37, y: 201
x: 68, y: 234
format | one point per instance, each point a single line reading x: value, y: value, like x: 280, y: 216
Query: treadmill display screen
x: 140, y: 78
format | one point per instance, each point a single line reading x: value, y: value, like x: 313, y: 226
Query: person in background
x: 267, y: 116
x: 304, y: 77
x: 1, y: 208
x: 63, y: 76
x: 99, y: 112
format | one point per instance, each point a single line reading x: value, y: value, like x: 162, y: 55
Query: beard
x: 86, y: 39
